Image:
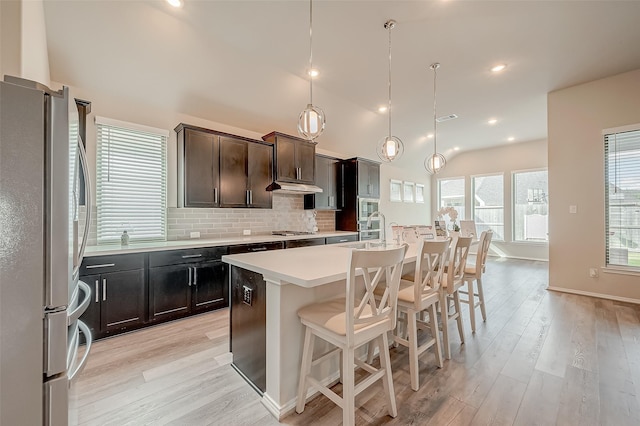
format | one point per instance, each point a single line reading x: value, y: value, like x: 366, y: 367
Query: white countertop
x: 304, y: 266
x: 198, y: 243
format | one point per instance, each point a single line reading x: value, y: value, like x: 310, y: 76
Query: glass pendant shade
x: 390, y: 148
x: 435, y: 162
x: 311, y: 122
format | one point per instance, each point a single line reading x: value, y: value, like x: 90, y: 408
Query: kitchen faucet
x: 382, y: 228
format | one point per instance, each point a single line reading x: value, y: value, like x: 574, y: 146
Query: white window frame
x: 106, y: 230
x: 464, y: 195
x: 513, y: 205
x: 472, y: 215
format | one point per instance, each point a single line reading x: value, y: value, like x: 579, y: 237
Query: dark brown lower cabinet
x: 169, y: 292
x: 248, y: 326
x: 209, y: 288
x: 118, y: 302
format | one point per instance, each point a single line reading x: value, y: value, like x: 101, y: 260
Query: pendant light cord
x: 435, y: 121
x: 390, y: 26
x: 310, y: 52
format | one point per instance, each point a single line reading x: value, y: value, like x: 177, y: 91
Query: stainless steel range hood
x: 293, y: 188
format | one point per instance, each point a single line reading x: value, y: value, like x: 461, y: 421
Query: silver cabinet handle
x: 250, y: 197
x: 343, y: 241
x: 191, y: 256
x: 190, y: 272
x: 104, y: 289
x: 215, y: 195
x: 247, y: 197
x: 97, y: 296
x: 195, y: 275
x: 103, y: 265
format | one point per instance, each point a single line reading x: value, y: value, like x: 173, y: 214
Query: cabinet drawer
x: 113, y: 263
x: 343, y: 239
x: 175, y: 257
x: 251, y: 248
x: 304, y: 243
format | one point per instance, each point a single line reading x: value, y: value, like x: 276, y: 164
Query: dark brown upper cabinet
x: 245, y: 172
x: 216, y: 169
x: 327, y: 179
x: 294, y: 158
x: 198, y: 167
x: 368, y: 178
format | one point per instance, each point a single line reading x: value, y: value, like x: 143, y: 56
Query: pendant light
x: 311, y: 121
x: 390, y: 147
x: 436, y: 161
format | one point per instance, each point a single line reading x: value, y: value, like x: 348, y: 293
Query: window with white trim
x: 488, y: 204
x: 131, y: 181
x: 622, y: 196
x: 531, y: 206
x: 451, y: 194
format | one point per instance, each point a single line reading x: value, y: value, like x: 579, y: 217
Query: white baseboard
x: 525, y: 258
x: 598, y: 295
x: 282, y: 411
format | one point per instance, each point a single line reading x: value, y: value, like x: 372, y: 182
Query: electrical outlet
x: 593, y: 272
x: 247, y: 295
x: 246, y: 232
x: 194, y: 234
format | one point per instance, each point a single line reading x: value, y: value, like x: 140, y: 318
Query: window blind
x: 622, y: 197
x: 131, y: 184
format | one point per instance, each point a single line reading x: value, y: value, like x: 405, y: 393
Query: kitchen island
x: 291, y: 279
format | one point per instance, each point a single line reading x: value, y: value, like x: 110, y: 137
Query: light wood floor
x: 541, y: 358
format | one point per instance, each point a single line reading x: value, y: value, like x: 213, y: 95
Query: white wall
x: 503, y: 159
x: 404, y: 213
x: 23, y: 41
x: 576, y: 118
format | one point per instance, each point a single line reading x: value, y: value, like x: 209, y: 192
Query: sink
x: 365, y: 245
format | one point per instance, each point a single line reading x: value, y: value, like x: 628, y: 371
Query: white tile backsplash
x: 287, y: 213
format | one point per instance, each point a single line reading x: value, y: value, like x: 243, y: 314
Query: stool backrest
x: 375, y: 266
x: 432, y: 256
x: 457, y: 260
x: 483, y: 249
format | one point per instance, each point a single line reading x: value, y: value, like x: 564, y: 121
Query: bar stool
x: 414, y: 298
x: 349, y: 323
x: 474, y: 273
x: 452, y: 281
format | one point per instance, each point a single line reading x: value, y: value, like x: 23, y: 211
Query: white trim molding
x: 590, y: 294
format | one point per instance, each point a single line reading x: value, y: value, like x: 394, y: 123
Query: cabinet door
x: 233, y: 172
x: 286, y: 159
x: 322, y: 180
x: 91, y: 317
x: 122, y: 299
x: 306, y: 161
x: 210, y: 289
x: 201, y: 159
x: 169, y: 291
x: 364, y: 188
x: 374, y: 180
x: 260, y: 166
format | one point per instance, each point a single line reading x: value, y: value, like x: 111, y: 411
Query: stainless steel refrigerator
x: 41, y: 297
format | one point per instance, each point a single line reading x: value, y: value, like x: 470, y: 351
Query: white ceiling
x: 244, y: 63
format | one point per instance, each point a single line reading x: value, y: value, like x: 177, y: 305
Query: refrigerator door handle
x: 77, y: 368
x: 88, y: 202
x: 82, y: 306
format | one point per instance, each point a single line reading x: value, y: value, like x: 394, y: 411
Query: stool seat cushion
x: 470, y: 270
x: 331, y: 315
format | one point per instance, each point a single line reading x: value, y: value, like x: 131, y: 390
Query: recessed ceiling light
x: 456, y: 148
x: 314, y: 72
x: 511, y: 139
x: 382, y: 109
x: 492, y: 121
x: 175, y: 3
x: 498, y: 68
x: 430, y: 135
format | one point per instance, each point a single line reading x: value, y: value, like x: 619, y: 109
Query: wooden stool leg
x: 444, y: 317
x: 413, y: 348
x: 305, y: 369
x: 348, y: 388
x: 387, y: 379
x: 456, y: 301
x: 472, y: 305
x: 481, y: 299
x: 433, y: 321
x: 371, y: 348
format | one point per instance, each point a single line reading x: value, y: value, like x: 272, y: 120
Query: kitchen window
x: 131, y: 181
x: 531, y: 206
x: 488, y: 204
x: 622, y: 196
x: 451, y: 194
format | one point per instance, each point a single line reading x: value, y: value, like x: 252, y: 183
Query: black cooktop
x: 286, y: 233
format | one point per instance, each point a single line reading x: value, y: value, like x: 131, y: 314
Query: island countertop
x: 306, y: 266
